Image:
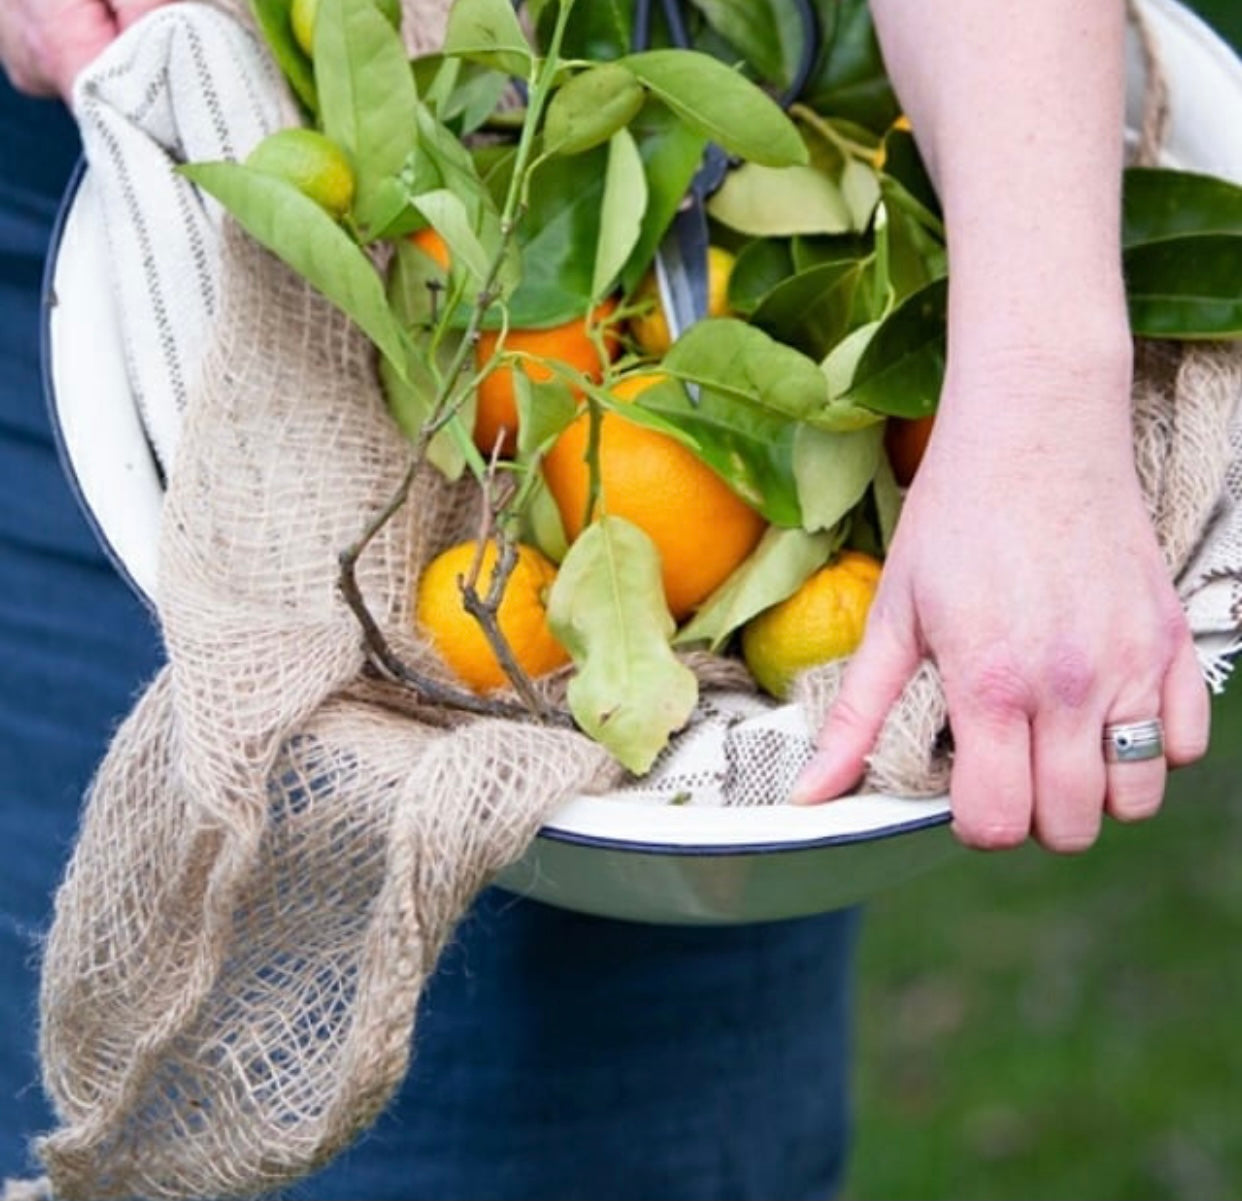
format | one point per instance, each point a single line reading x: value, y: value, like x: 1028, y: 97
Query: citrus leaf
x: 811, y: 310
x: 544, y: 408
x: 913, y: 255
x: 782, y: 562
x: 833, y: 471
x: 301, y: 234
x: 446, y: 211
x: 760, y: 265
x: 721, y: 105
x: 671, y: 154
x: 541, y: 523
x: 272, y: 18
x: 488, y: 32
x: 366, y: 98
x: 1158, y: 204
x: 621, y: 215
x: 591, y: 107
x: 860, y: 189
x: 768, y: 33
x: 886, y: 494
x: 849, y: 79
x: 906, y: 181
x: 750, y: 448
x: 901, y: 370
x: 776, y: 202
x: 739, y: 360
x: 607, y: 609
x: 1186, y: 287
x: 841, y: 361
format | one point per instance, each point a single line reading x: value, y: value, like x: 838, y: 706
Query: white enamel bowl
x: 599, y: 855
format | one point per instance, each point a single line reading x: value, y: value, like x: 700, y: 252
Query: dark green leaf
x: 721, y: 105
x: 299, y: 232
x: 591, y: 107
x: 812, y: 310
x: 811, y: 252
x: 366, y: 99
x: 760, y: 266
x: 597, y: 29
x: 741, y: 361
x: 272, y: 17
x: 750, y: 448
x: 912, y: 257
x: 849, y: 79
x: 1188, y: 287
x: 902, y: 369
x: 768, y: 33
x: 1160, y: 204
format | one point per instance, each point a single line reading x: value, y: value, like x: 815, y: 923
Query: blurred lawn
x: 1035, y: 1027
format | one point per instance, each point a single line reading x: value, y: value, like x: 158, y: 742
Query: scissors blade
x: 681, y: 269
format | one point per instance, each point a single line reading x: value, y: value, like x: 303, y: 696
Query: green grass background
x: 1040, y: 1028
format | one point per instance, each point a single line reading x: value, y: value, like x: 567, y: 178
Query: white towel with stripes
x: 187, y: 83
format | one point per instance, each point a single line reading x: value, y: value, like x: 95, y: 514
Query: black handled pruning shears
x: 681, y: 261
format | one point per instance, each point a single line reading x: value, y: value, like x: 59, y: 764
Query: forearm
x: 1018, y: 109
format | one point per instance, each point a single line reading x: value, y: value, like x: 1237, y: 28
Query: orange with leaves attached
x: 701, y: 528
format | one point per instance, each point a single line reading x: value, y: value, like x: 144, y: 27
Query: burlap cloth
x: 277, y: 846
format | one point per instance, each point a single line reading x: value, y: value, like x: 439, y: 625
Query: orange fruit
x: 496, y: 414
x: 905, y: 440
x: 702, y: 530
x: 822, y: 621
x: 442, y: 617
x: 650, y: 327
x: 433, y: 246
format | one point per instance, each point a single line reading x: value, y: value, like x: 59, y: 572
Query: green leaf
x: 1159, y: 204
x: 906, y: 174
x: 913, y: 256
x: 671, y: 154
x: 886, y: 495
x: 591, y: 107
x: 621, y: 215
x: 607, y: 609
x: 841, y: 361
x: 366, y: 99
x: 760, y: 265
x: 768, y: 33
x: 902, y: 369
x: 545, y: 407
x: 860, y: 188
x: 721, y: 105
x: 738, y: 360
x: 272, y: 18
x: 776, y: 202
x: 488, y: 32
x: 833, y: 471
x: 849, y: 79
x: 446, y: 211
x: 1187, y: 287
x: 782, y: 562
x: 541, y: 523
x: 557, y: 238
x: 302, y: 235
x: 750, y: 448
x: 812, y: 310
x: 596, y: 29
x: 811, y: 252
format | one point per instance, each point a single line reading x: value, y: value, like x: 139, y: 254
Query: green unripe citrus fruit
x: 314, y: 164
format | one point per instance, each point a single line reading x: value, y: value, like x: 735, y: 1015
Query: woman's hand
x: 1025, y: 565
x: 44, y: 44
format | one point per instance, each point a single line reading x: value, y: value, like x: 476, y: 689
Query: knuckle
x: 846, y: 718
x: 1070, y: 677
x: 996, y: 687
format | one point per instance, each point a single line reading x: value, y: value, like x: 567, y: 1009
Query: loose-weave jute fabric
x: 277, y: 845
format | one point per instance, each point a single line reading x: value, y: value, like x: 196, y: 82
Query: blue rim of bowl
x: 550, y: 833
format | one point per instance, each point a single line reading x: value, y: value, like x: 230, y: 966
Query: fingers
x: 1187, y: 708
x: 129, y: 11
x: 873, y: 681
x: 1070, y: 778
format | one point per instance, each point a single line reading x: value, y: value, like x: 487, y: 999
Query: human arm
x: 1025, y: 564
x: 44, y: 44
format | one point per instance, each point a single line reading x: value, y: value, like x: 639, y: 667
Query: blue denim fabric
x: 556, y: 1056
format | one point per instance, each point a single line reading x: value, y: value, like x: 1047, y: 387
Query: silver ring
x: 1134, y: 741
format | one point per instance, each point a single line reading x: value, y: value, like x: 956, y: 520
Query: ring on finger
x: 1134, y: 741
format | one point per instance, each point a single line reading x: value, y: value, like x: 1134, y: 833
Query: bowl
x: 605, y: 855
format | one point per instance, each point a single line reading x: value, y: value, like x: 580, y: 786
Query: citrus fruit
x: 823, y: 620
x: 433, y: 246
x: 702, y: 530
x: 313, y: 163
x: 302, y: 20
x: 441, y: 615
x: 496, y: 416
x: 650, y: 327
x: 905, y: 440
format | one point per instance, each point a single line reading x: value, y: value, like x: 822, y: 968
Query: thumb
x: 873, y: 681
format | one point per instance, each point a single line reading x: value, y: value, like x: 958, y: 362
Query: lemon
x: 650, y: 328
x: 314, y: 164
x: 302, y: 20
x: 822, y: 621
